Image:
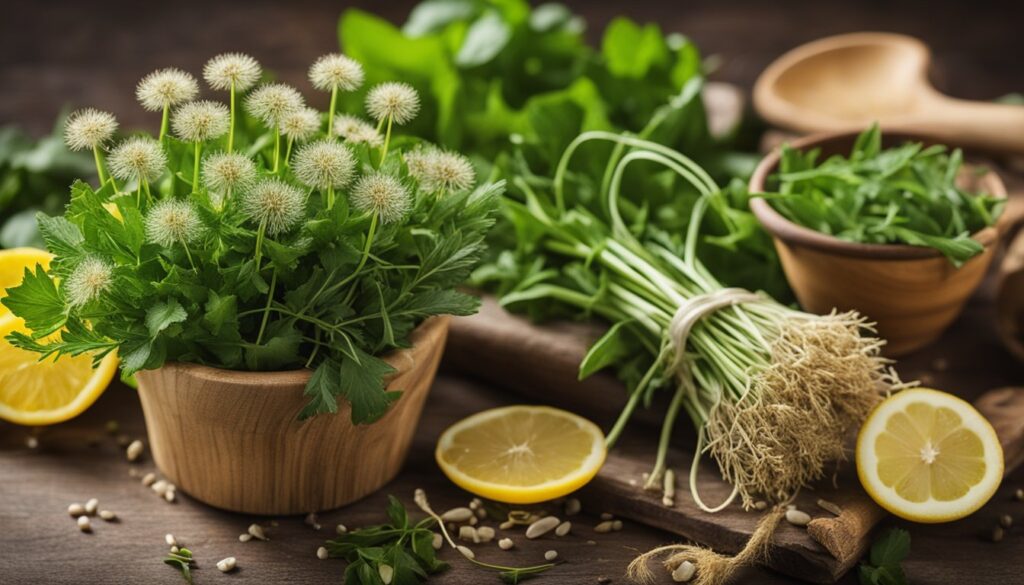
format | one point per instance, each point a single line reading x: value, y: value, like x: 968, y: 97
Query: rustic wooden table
x: 79, y: 53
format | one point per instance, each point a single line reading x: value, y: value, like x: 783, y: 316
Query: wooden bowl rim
x: 287, y: 379
x: 790, y: 232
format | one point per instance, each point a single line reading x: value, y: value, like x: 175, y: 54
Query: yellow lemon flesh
x: 927, y: 456
x: 13, y: 263
x: 521, y: 454
x: 34, y: 392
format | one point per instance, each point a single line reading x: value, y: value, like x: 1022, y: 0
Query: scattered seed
x: 602, y: 580
x: 170, y: 540
x: 468, y: 533
x: 505, y: 544
x: 572, y: 507
x: 1019, y: 494
x: 997, y: 533
x: 473, y: 521
x: 563, y: 528
x: 175, y: 549
x: 321, y: 553
x: 760, y: 505
x: 148, y: 479
x: 113, y: 427
x: 437, y: 542
x: 31, y: 442
x: 134, y: 450
x: 169, y: 496
x: 616, y: 525
x: 684, y: 572
x: 312, y: 520
x: 606, y: 516
x: 485, y: 534
x: 108, y: 515
x: 1006, y: 521
x: 829, y: 507
x: 668, y: 497
x: 603, y: 527
x: 91, y: 506
x: 226, y: 565
x: 506, y: 525
x: 797, y: 517
x: 123, y: 440
x: 386, y: 572
x: 76, y: 510
x: 257, y: 532
x: 244, y: 537
x: 551, y: 555
x: 541, y: 527
x: 480, y: 513
x: 340, y: 529
x: 466, y: 552
x: 475, y: 504
x: 457, y: 515
x: 83, y: 524
x: 160, y: 487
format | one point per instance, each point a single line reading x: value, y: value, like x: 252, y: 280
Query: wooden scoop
x: 846, y: 82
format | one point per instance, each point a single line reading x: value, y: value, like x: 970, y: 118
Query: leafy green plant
x: 907, y: 194
x: 219, y: 243
x: 182, y: 561
x: 34, y: 176
x: 882, y: 566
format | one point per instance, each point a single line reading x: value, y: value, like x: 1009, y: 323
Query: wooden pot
x: 912, y: 293
x: 233, y: 440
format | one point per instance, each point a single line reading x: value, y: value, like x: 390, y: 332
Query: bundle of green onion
x: 772, y: 391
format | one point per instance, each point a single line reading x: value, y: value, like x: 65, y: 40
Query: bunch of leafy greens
x: 34, y: 176
x: 333, y: 292
x: 406, y: 550
x: 498, y: 73
x: 908, y: 194
x: 882, y: 566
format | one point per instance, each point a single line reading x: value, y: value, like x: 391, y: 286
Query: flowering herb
x: 907, y: 194
x: 209, y: 248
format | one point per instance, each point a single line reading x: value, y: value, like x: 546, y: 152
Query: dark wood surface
x: 92, y: 53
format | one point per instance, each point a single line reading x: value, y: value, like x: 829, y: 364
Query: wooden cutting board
x: 541, y: 363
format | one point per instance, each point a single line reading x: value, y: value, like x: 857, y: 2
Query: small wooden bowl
x: 233, y: 439
x: 912, y: 293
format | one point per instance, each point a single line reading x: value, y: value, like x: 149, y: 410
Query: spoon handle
x: 983, y: 125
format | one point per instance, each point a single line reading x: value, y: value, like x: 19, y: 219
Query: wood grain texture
x: 234, y: 440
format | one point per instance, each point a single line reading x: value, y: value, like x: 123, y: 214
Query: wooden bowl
x: 912, y: 293
x: 233, y: 440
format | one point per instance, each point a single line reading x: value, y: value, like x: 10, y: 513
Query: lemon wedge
x: 928, y: 456
x: 13, y: 263
x: 521, y: 454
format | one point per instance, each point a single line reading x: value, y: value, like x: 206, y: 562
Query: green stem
x: 288, y: 151
x: 149, y: 195
x: 165, y: 121
x: 99, y: 165
x: 259, y: 242
x: 387, y: 140
x: 666, y: 435
x: 195, y: 167
x: 189, y: 256
x: 330, y: 114
x: 330, y: 198
x: 266, y: 310
x: 231, y: 129
x: 277, y: 147
x: 366, y: 249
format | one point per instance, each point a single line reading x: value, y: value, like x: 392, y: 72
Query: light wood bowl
x: 912, y: 293
x: 233, y: 440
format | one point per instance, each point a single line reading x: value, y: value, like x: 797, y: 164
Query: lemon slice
x: 521, y: 454
x: 928, y: 456
x: 13, y: 263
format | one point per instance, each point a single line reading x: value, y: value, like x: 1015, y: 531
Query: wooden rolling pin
x: 541, y: 363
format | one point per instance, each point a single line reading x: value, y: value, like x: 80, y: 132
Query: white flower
x: 383, y: 195
x: 138, y: 158
x: 395, y: 100
x: 272, y: 102
x: 89, y: 128
x: 324, y: 164
x: 222, y: 171
x: 240, y: 69
x: 447, y: 171
x: 301, y: 124
x: 356, y: 130
x: 336, y: 71
x: 201, y: 121
x: 417, y: 161
x: 166, y: 87
x: 91, y: 278
x: 173, y: 221
x: 277, y: 204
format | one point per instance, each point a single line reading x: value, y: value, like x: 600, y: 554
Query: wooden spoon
x: 846, y: 82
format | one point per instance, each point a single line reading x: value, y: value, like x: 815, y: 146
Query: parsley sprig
x: 882, y: 566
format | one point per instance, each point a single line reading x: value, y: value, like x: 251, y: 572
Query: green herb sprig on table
x: 181, y: 560
x: 403, y: 553
x: 882, y: 566
x: 907, y: 194
x: 257, y: 238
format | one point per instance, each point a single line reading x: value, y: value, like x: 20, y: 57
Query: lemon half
x: 521, y: 454
x: 928, y: 456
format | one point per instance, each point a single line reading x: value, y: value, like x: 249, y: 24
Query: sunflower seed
x: 829, y: 507
x: 468, y: 533
x: 457, y: 515
x: 603, y: 527
x: 91, y: 506
x: 76, y: 510
x: 505, y: 544
x: 760, y: 505
x: 108, y: 515
x: 257, y: 532
x: 551, y: 555
x: 485, y: 534
x: 226, y: 565
x: 321, y: 553
x: 684, y: 572
x: 148, y: 479
x: 797, y: 517
x: 170, y: 540
x: 244, y: 537
x: 386, y: 572
x: 83, y: 524
x: 134, y: 450
x: 340, y: 529
x: 542, y: 527
x: 563, y: 528
x: 572, y: 507
x: 437, y: 542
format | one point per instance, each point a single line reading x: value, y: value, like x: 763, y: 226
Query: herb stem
x: 266, y: 309
x: 99, y: 165
x: 165, y: 121
x: 231, y: 128
x: 195, y: 167
x: 330, y: 113
x: 277, y: 148
x: 387, y: 140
